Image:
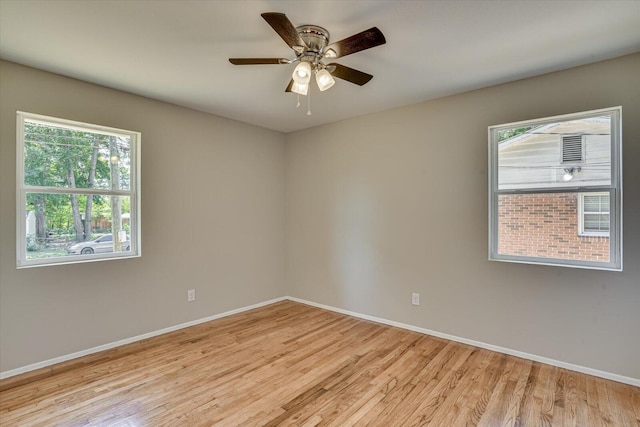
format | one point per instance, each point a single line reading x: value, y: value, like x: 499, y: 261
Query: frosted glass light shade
x: 300, y: 88
x: 302, y: 73
x: 324, y: 79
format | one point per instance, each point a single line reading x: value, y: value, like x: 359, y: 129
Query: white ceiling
x: 177, y: 50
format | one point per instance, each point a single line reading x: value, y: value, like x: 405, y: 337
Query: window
x: 78, y: 192
x: 555, y: 192
x: 594, y: 214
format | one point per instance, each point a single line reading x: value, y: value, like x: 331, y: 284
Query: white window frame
x: 22, y: 189
x: 614, y: 189
x: 581, y: 214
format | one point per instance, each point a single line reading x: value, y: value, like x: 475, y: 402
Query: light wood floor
x: 291, y: 364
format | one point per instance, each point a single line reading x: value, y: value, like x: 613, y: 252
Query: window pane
x: 596, y: 202
x: 596, y: 222
x: 538, y: 156
x: 57, y: 225
x: 546, y: 225
x: 58, y: 156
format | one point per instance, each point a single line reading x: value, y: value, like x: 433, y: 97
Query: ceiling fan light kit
x: 310, y: 44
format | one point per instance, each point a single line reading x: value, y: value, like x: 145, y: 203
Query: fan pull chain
x: 298, y: 104
x: 309, y: 102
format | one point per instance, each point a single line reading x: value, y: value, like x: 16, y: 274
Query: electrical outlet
x: 415, y: 299
x: 191, y: 295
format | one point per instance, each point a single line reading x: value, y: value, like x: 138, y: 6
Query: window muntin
x: 77, y: 183
x: 535, y: 196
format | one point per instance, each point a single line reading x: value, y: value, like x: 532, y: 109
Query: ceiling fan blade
x: 258, y: 61
x: 288, y: 89
x: 285, y: 29
x: 365, y: 40
x: 349, y: 74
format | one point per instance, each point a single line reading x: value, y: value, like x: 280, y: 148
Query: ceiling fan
x: 311, y: 46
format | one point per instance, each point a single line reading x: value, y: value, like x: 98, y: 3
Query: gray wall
x: 212, y: 219
x: 393, y: 203
x: 372, y: 209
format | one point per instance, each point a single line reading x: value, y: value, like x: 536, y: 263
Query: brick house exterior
x: 546, y: 225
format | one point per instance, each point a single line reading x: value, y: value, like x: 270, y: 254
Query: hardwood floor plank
x: 497, y: 402
x: 438, y: 389
x: 289, y: 364
x: 528, y: 400
x: 483, y: 386
x: 546, y: 394
x: 460, y: 385
x: 481, y: 383
x: 513, y: 408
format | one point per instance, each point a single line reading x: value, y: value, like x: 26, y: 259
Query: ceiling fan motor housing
x: 316, y: 39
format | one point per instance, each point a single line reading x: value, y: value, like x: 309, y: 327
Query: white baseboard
x: 60, y: 359
x: 523, y: 355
